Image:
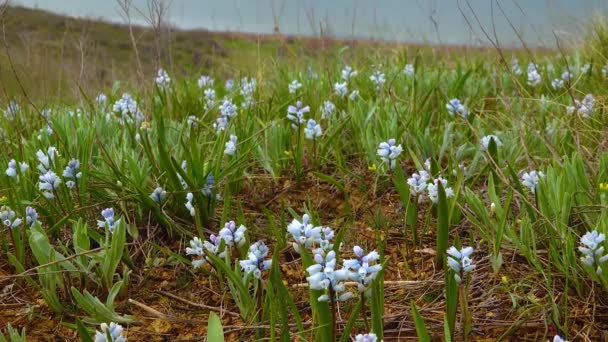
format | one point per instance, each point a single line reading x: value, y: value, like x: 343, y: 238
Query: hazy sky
x: 405, y: 20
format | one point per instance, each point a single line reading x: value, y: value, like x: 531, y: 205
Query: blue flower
x: 328, y: 109
x: 341, y: 89
x: 162, y: 78
x: 158, y: 195
x: 232, y: 235
x: 49, y: 183
x: 323, y: 275
x: 389, y: 151
x: 113, y: 330
x: 294, y: 86
x: 296, y: 114
x: 409, y: 70
x: 312, y: 131
x: 363, y: 269
x: 593, y: 251
x: 460, y: 262
x: 303, y: 233
x: 371, y: 337
x: 31, y: 216
x: 454, y: 106
x: 208, y: 189
x: 228, y: 109
x: 231, y: 145
x: 205, y: 81
x: 8, y: 217
x: 256, y: 261
x: 348, y: 72
x: 108, y: 220
x: 71, y: 171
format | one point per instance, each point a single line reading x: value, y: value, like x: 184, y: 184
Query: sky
x: 426, y: 21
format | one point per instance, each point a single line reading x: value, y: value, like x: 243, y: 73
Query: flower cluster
x: 389, y: 151
x: 305, y: 235
x: 205, y: 81
x: 323, y: 275
x: 110, y: 333
x: 256, y: 261
x: 295, y: 114
x: 189, y: 206
x: 312, y: 131
x: 108, y: 221
x: 162, y: 79
x: 409, y: 70
x: 418, y: 183
x: 46, y: 160
x: 515, y: 68
x: 328, y: 109
x: 534, y: 77
x: 31, y: 216
x: 584, y: 108
x: 11, y: 111
x: 230, y: 235
x: 593, y: 251
x: 11, y: 171
x: 348, y: 72
x: 72, y: 172
x: 485, y: 141
x: 8, y: 217
x: 158, y: 195
x: 294, y: 86
x: 454, y: 106
x: 209, y: 95
x: 128, y: 110
x: 341, y: 89
x: 231, y: 145
x: 371, y: 337
x: 378, y: 79
x: 228, y: 110
x: 248, y: 86
x: 49, y: 184
x: 531, y: 179
x: 460, y: 262
x: 363, y: 268
x: 433, y: 189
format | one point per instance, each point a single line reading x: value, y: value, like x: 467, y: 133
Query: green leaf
x: 215, y: 332
x: 421, y: 331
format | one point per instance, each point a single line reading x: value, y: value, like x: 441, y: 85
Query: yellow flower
x: 504, y: 280
x: 3, y: 199
x: 287, y: 153
x: 372, y: 167
x: 604, y: 186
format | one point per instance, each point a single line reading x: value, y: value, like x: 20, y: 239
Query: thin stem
x: 332, y: 302
x: 364, y: 311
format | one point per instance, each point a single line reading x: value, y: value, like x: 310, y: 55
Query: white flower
x: 389, y: 151
x: 328, y: 109
x: 585, y: 68
x: 158, y: 195
x: 233, y: 235
x: 48, y: 184
x: 205, y: 81
x: 209, y: 98
x: 341, y: 89
x: 378, y: 79
x: 534, y: 77
x: 409, y: 70
x: 102, y: 98
x: 348, y: 72
x: 557, y: 83
x: 162, y: 78
x: 256, y: 262
x: 294, y: 86
x: 114, y: 330
x: 189, y: 206
x: 228, y: 109
x: 515, y: 67
x: 371, y: 337
x: 353, y: 95
x: 485, y: 142
x: 584, y: 107
x: 593, y: 251
x: 531, y: 179
x: 323, y: 275
x: 11, y: 111
x: 460, y: 262
x: 312, y: 130
x: 433, y: 189
x: 7, y: 217
x: 296, y: 114
x: 454, y: 106
x: 363, y: 269
x: 231, y: 145
x: 418, y: 183
x: 303, y: 233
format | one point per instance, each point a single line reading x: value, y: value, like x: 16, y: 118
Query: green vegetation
x: 467, y: 194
